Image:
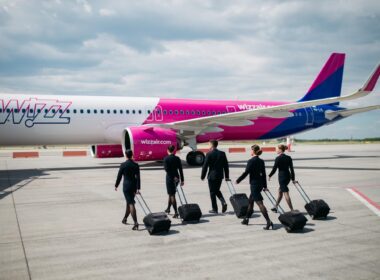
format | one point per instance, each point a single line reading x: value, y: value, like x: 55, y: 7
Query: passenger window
x: 193, y: 112
x: 95, y: 111
x: 209, y: 113
x: 16, y: 111
x: 23, y: 110
x: 81, y: 111
x: 187, y: 112
x: 46, y: 110
x: 203, y: 113
x: 53, y: 111
x: 213, y: 112
x: 39, y: 111
x: 75, y: 111
x: 1, y: 110
x: 176, y: 112
x: 31, y: 110
x: 198, y: 113
x: 121, y: 111
x: 133, y: 111
x: 101, y: 111
x: 165, y: 112
x: 8, y: 110
x: 88, y: 111
x: 182, y: 112
x: 170, y: 112
x: 148, y: 111
x: 127, y: 111
x: 114, y: 111
x: 140, y: 112
x: 61, y: 111
x: 108, y: 111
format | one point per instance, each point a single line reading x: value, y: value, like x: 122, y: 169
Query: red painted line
x: 268, y: 149
x: 236, y: 150
x: 373, y: 203
x: 74, y: 153
x: 25, y: 154
x: 204, y: 150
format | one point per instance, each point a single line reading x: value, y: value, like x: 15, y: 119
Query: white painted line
x: 373, y: 206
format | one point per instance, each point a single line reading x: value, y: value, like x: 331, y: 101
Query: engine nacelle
x: 149, y: 143
x: 107, y: 151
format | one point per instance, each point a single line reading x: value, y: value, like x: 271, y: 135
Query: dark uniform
x: 284, y: 163
x: 131, y: 172
x: 257, y: 177
x: 173, y: 168
x: 217, y: 165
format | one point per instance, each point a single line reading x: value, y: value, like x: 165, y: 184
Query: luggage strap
x: 302, y: 192
x: 179, y: 192
x: 143, y: 204
x: 273, y: 201
x: 231, y: 187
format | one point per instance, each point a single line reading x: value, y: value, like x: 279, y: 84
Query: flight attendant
x: 131, y: 186
x: 257, y: 179
x: 284, y: 164
x: 174, y: 176
x: 217, y: 166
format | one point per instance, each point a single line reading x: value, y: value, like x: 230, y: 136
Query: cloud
x: 200, y: 49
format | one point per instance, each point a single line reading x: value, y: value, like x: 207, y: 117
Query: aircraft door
x: 309, y: 116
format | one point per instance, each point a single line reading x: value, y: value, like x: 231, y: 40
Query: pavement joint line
x: 373, y: 206
x: 18, y: 223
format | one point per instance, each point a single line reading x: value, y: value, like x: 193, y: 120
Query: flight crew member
x: 284, y: 164
x: 131, y: 186
x: 217, y: 165
x: 174, y: 176
x: 258, y: 181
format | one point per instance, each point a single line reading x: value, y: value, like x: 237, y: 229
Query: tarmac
x: 60, y: 218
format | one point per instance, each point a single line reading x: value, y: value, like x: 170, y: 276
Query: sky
x: 247, y: 50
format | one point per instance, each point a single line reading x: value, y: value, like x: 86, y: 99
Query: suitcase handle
x: 302, y: 192
x: 143, y: 204
x: 179, y: 191
x: 231, y: 187
x: 271, y: 198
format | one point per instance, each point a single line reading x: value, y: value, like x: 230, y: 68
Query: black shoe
x: 124, y: 221
x: 274, y: 209
x: 135, y: 227
x: 213, y: 211
x: 245, y: 221
x: 268, y: 226
x: 167, y: 210
x: 224, y: 207
x: 175, y: 216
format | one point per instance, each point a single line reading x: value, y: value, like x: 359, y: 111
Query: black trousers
x: 214, y: 186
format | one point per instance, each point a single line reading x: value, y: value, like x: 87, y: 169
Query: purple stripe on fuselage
x: 174, y: 110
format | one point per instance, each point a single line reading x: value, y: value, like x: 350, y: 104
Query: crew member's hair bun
x: 283, y: 147
x: 256, y: 150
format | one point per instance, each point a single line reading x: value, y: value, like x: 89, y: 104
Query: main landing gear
x: 195, y: 158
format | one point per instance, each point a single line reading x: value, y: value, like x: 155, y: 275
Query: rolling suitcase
x: 239, y: 201
x: 315, y: 208
x: 292, y: 220
x: 154, y: 222
x: 188, y: 211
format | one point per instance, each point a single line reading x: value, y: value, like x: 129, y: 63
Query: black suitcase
x: 154, y: 222
x: 239, y: 201
x: 292, y: 220
x: 188, y: 212
x: 317, y: 209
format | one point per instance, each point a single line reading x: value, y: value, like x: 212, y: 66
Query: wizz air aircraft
x: 148, y: 125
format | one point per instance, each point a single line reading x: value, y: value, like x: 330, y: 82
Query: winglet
x: 372, y: 80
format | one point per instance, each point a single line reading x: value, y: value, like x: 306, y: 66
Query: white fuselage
x: 83, y: 119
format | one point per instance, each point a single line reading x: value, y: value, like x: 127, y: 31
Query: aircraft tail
x: 329, y: 81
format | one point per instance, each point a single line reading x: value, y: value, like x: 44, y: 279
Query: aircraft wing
x: 348, y: 112
x: 210, y: 124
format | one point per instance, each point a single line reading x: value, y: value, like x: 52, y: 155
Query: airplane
x: 148, y: 125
